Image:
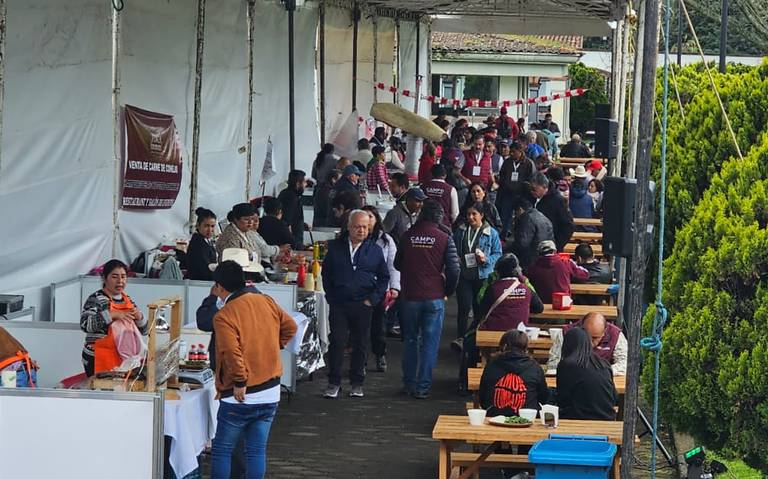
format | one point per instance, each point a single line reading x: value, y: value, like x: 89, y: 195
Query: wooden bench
x: 507, y: 461
x: 475, y: 374
x: 587, y: 237
x: 588, y: 222
x: 597, y: 249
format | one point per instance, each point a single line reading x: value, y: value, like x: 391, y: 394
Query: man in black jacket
x: 293, y: 212
x: 271, y: 227
x: 531, y: 228
x: 599, y: 273
x: 355, y: 278
x: 555, y: 207
x: 514, y: 177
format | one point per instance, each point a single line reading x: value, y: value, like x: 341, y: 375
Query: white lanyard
x: 516, y: 166
x: 470, y: 239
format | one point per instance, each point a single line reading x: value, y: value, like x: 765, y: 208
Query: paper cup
x: 8, y: 379
x: 529, y: 414
x: 550, y: 415
x: 476, y: 417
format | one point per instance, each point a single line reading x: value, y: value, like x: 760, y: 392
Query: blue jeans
x: 234, y: 421
x: 421, y: 323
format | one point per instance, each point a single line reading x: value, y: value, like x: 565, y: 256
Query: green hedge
x: 715, y: 354
x: 582, y: 117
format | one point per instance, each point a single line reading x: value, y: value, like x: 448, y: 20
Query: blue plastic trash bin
x: 572, y: 457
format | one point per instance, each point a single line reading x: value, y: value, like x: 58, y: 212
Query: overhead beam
x: 521, y: 25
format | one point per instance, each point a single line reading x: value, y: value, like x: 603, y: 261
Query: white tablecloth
x: 191, y: 423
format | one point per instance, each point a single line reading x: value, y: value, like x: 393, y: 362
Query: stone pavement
x: 383, y: 435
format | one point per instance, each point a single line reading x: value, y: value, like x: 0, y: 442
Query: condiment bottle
x: 301, y: 276
x: 316, y: 268
x: 193, y: 353
x: 309, y: 283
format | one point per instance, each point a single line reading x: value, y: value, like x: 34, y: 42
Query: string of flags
x: 473, y: 102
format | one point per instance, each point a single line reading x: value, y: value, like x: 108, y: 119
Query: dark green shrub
x: 582, y: 117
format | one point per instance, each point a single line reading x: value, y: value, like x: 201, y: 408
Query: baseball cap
x: 351, y: 170
x: 547, y: 247
x: 416, y: 194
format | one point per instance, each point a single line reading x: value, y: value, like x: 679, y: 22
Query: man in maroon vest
x: 429, y: 266
x: 443, y: 193
x: 608, y: 342
x: 477, y: 163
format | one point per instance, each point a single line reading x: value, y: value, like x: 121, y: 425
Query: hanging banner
x: 267, y: 171
x: 152, y: 166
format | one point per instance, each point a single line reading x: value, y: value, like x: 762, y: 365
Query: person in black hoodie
x: 201, y: 251
x: 585, y: 388
x: 555, y: 207
x: 271, y: 226
x: 513, y: 380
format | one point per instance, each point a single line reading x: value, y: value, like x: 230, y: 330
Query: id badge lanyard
x: 470, y: 258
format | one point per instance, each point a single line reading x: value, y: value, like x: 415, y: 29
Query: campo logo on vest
x: 434, y: 190
x: 510, y: 392
x: 423, y: 241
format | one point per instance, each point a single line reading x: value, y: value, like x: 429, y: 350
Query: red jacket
x: 552, y: 274
x: 425, y: 168
x: 470, y: 162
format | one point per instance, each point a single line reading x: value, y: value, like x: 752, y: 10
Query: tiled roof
x: 443, y: 42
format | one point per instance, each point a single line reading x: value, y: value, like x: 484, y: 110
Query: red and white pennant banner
x: 483, y: 103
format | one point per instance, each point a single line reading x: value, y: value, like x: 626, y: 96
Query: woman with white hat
x: 579, y: 202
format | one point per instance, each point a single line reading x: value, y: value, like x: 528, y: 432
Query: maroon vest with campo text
x: 607, y: 345
x: 440, y: 191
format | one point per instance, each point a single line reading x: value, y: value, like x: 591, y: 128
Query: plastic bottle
x: 182, y: 349
x: 316, y: 251
x: 309, y: 283
x: 301, y: 276
x: 316, y: 268
x: 192, y: 353
x: 319, y: 281
x: 202, y: 353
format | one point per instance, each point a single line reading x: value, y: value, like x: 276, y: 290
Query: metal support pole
x: 321, y: 40
x: 197, y: 105
x: 418, y: 68
x: 355, y: 31
x: 624, y: 68
x: 375, y: 57
x: 679, y: 35
x: 723, y: 34
x: 3, y: 16
x: 116, y: 130
x: 615, y: 69
x: 643, y: 200
x: 290, y: 5
x: 250, y: 14
x: 397, y: 61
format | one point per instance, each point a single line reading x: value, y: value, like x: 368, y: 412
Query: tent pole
x: 196, y: 117
x: 250, y: 13
x: 321, y: 40
x: 116, y: 136
x: 395, y: 99
x: 640, y: 250
x: 355, y: 31
x: 375, y: 57
x: 634, y: 120
x: 290, y: 5
x: 418, y: 68
x: 3, y: 16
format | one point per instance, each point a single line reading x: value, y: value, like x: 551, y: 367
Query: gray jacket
x: 531, y: 228
x: 398, y: 221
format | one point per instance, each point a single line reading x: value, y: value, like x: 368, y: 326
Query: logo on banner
x: 153, y: 160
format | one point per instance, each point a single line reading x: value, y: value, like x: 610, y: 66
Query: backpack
x: 504, y: 130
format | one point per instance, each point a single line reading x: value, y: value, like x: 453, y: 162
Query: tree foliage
x: 715, y: 350
x: 582, y: 117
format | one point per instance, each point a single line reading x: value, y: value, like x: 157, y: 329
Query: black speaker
x: 606, y: 138
x: 619, y: 215
x: 602, y: 110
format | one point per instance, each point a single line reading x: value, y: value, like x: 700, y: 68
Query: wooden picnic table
x: 475, y: 374
x: 590, y: 289
x: 488, y: 342
x: 588, y: 221
x: 576, y: 312
x: 587, y: 237
x: 450, y: 430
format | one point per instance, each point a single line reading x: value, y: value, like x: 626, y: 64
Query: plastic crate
x: 572, y: 457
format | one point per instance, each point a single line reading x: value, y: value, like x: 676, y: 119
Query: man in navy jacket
x: 355, y: 278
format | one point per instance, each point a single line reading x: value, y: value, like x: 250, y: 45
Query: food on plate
x: 516, y: 420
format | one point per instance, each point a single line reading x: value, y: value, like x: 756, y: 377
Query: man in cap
x: 400, y: 218
x: 350, y: 176
x: 552, y: 274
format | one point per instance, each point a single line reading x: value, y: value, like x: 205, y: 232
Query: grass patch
x: 738, y: 469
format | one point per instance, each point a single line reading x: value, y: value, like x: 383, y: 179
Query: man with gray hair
x: 355, y: 278
x: 575, y: 148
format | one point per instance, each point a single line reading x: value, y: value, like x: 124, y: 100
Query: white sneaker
x: 332, y: 391
x: 356, y: 392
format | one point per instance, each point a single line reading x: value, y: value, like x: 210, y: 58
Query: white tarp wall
x: 56, y: 182
x: 338, y: 69
x: 408, y: 72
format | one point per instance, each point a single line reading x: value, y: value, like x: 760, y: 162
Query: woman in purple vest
x: 507, y: 302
